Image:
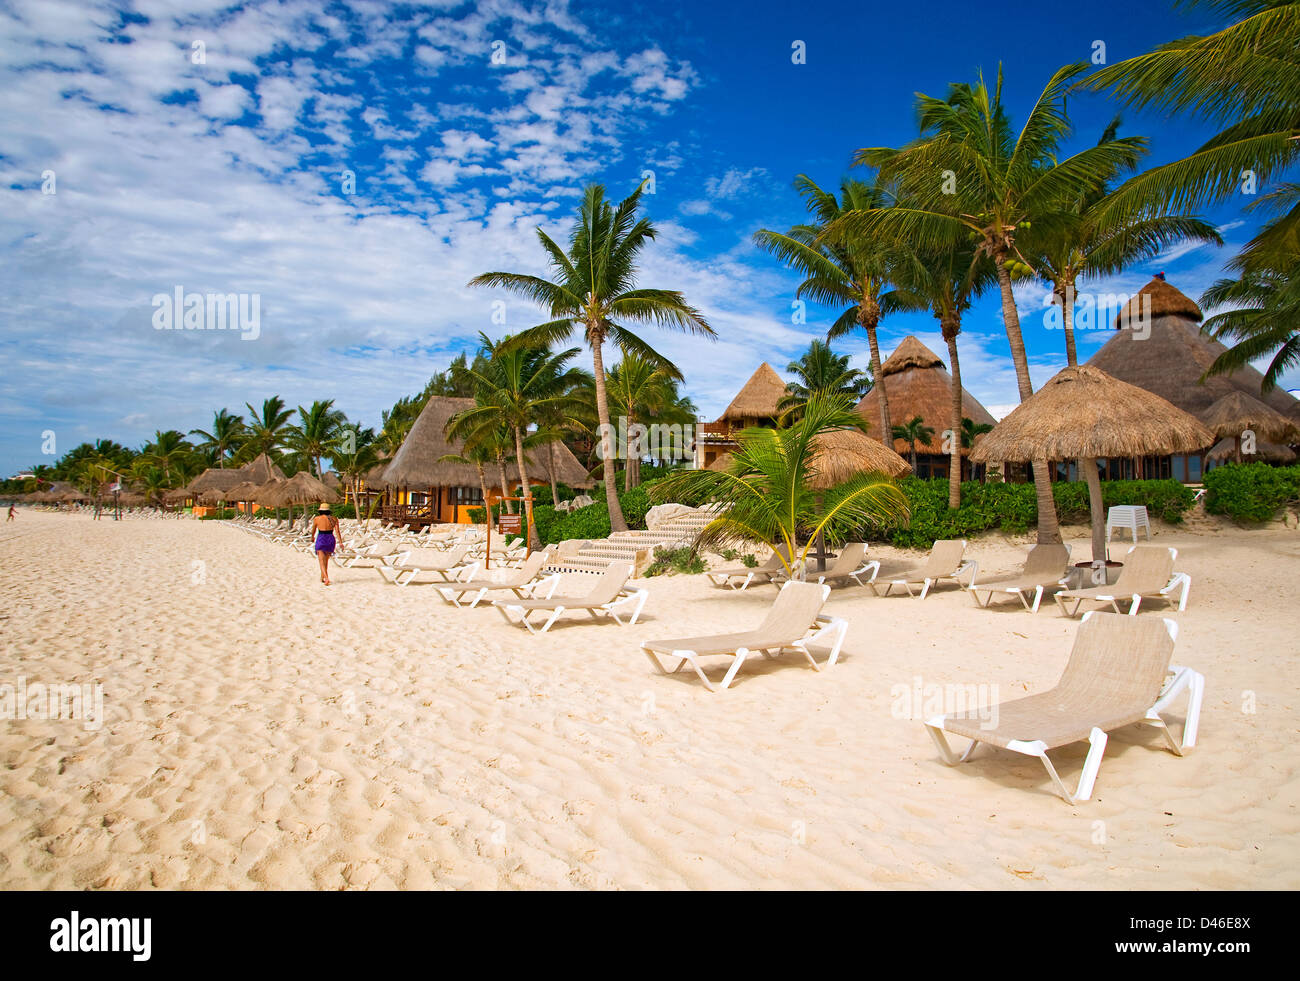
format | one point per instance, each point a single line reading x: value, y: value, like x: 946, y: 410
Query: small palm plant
x: 912, y: 432
x: 768, y: 494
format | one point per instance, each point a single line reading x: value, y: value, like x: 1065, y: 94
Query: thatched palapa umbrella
x: 1237, y: 413
x: 841, y: 454
x: 1230, y: 449
x: 1083, y: 413
x: 301, y: 488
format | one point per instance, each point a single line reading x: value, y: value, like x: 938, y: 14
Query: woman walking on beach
x: 325, y: 525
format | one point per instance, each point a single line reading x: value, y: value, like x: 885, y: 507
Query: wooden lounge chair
x: 525, y: 580
x: 746, y: 576
x: 1148, y: 571
x: 794, y: 621
x: 945, y: 562
x: 1118, y: 674
x: 608, y: 597
x: 1045, y: 566
x: 850, y: 564
x: 443, y: 565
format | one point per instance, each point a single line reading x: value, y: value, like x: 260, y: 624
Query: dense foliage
x: 1251, y: 492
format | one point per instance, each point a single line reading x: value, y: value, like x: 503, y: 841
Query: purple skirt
x: 325, y: 542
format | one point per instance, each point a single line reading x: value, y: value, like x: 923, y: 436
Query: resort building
x: 1158, y: 346
x: 917, y: 383
x: 756, y: 404
x: 424, y: 487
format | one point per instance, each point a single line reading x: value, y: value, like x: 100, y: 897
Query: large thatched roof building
x: 918, y: 384
x: 1158, y: 346
x: 756, y: 404
x: 420, y: 481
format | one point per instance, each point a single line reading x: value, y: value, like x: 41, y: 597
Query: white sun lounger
x: 794, y: 622
x: 608, y: 597
x: 945, y: 562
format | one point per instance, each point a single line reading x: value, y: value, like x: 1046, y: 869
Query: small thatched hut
x: 1082, y: 413
x: 423, y: 485
x: 1158, y: 346
x: 260, y: 470
x: 756, y: 404
x: 918, y: 384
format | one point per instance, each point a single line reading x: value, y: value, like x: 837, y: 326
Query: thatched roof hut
x: 844, y: 453
x: 418, y: 463
x: 178, y: 495
x: 260, y: 470
x: 301, y: 488
x: 244, y: 491
x: 918, y: 384
x: 1083, y: 413
x: 1167, y: 354
x: 758, y: 399
x: 1226, y: 449
x: 215, y: 479
x: 1237, y: 412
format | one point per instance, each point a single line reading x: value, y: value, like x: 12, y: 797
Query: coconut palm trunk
x: 869, y: 320
x: 1049, y: 528
x: 555, y: 490
x: 1093, y: 480
x: 530, y: 531
x: 1065, y: 296
x: 505, y: 486
x: 950, y: 331
x: 483, y: 487
x: 617, y: 522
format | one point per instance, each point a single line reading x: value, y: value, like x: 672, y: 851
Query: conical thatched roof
x: 418, y: 463
x: 1226, y: 449
x: 244, y: 491
x: 215, y: 479
x: 1169, y: 355
x: 301, y: 488
x: 1166, y: 301
x: 845, y: 453
x: 918, y: 384
x: 260, y: 470
x: 1084, y: 412
x: 178, y: 496
x: 759, y: 398
x: 1236, y: 412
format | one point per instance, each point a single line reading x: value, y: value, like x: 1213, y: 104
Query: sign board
x: 510, y: 524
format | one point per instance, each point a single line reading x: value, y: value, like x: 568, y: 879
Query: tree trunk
x: 1067, y: 324
x: 1093, y: 480
x: 869, y: 323
x: 508, y: 504
x: 1049, y: 528
x: 555, y: 490
x: 530, y: 532
x: 954, y: 460
x: 616, y: 520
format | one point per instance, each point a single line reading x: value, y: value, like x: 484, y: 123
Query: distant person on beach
x: 12, y: 514
x: 325, y: 525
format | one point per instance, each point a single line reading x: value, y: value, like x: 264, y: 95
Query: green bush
x: 670, y: 561
x: 1252, y: 491
x: 1013, y: 508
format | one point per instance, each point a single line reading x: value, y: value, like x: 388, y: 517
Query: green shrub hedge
x: 1013, y: 508
x: 1251, y: 491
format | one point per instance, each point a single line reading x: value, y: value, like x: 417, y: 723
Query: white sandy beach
x: 264, y: 731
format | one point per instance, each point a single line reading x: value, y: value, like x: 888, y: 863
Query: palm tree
x: 595, y: 290
x: 224, y: 437
x: 317, y: 433
x: 854, y: 268
x: 641, y: 389
x: 353, y: 467
x: 970, y: 173
x: 766, y: 496
x: 1092, y: 236
x: 1245, y: 77
x: 514, y: 387
x: 971, y: 430
x: 912, y: 432
x: 820, y: 370
x: 945, y: 283
x: 267, y: 429
x: 1265, y: 320
x: 167, y: 451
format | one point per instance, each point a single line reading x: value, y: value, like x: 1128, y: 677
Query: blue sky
x: 223, y: 173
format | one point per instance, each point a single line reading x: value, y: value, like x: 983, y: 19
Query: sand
x: 261, y: 730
